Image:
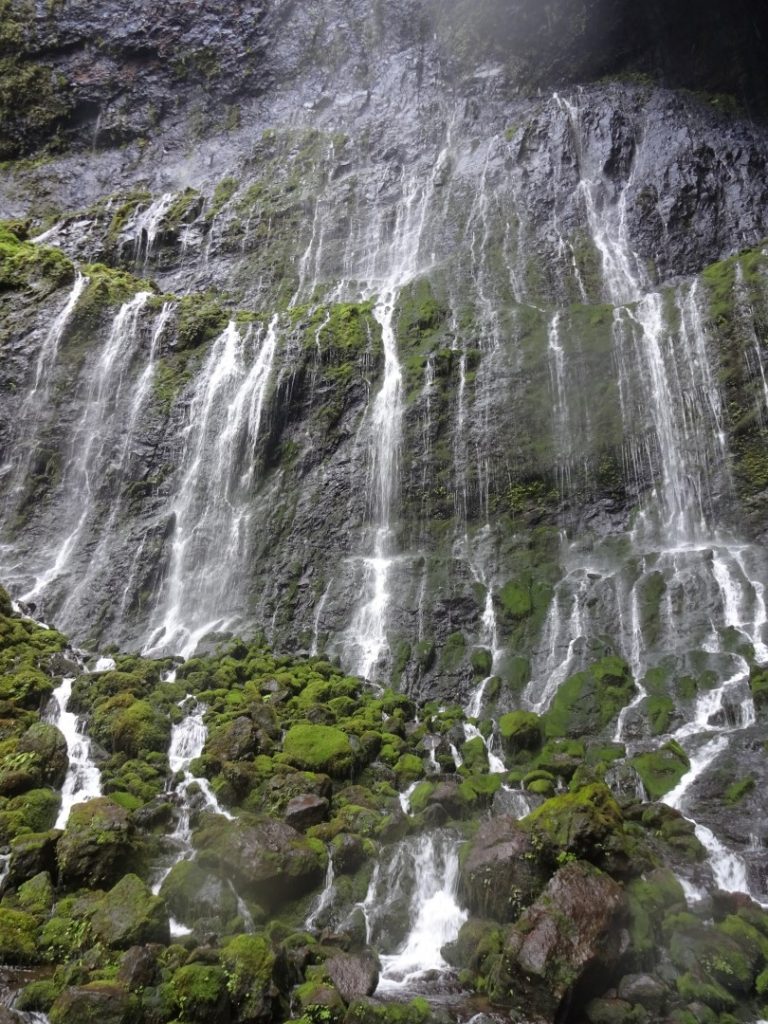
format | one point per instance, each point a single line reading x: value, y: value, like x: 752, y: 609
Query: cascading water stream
x: 91, y: 447
x: 423, y: 871
x: 187, y: 742
x: 213, y: 506
x: 668, y: 387
x: 83, y: 779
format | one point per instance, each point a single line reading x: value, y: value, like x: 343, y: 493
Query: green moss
x: 577, y: 822
x: 248, y: 961
x: 33, y: 99
x: 18, y: 937
x: 661, y: 770
x: 23, y: 263
x: 200, y: 992
x: 453, y: 652
x: 588, y: 702
x: 200, y: 320
x: 515, y: 598
x: 319, y: 748
x: 521, y: 732
x: 739, y: 789
x: 704, y: 990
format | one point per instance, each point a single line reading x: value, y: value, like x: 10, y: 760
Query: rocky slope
x: 574, y: 904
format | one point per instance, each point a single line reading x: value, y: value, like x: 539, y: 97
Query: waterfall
x: 96, y: 435
x: 187, y: 742
x: 83, y: 779
x: 387, y: 273
x: 324, y: 900
x: 423, y: 872
x: 213, y: 506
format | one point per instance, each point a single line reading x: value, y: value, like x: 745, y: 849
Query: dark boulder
x: 502, y: 874
x: 573, y: 928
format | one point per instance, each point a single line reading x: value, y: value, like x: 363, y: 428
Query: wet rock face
x: 502, y: 873
x: 570, y: 930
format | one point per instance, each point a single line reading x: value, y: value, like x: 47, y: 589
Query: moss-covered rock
x: 572, y: 928
x: 249, y: 962
x: 97, y: 845
x: 268, y: 860
x: 36, y: 895
x: 18, y: 937
x: 522, y: 732
x: 586, y: 703
x: 501, y: 871
x: 578, y: 823
x: 662, y: 769
x: 319, y: 748
x: 100, y: 1002
x: 200, y: 994
x: 195, y: 895
x: 130, y: 915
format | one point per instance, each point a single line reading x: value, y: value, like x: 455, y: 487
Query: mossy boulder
x: 570, y: 932
x: 100, y: 1002
x: 31, y: 854
x: 33, y: 811
x: 48, y: 745
x: 269, y: 861
x: 577, y: 823
x: 36, y: 895
x: 249, y: 962
x: 97, y: 845
x: 123, y: 724
x: 661, y: 770
x: 501, y: 872
x: 130, y: 915
x: 319, y: 748
x: 233, y: 741
x: 758, y: 681
x: 200, y: 994
x: 18, y: 937
x: 522, y: 732
x: 477, y: 941
x: 586, y: 703
x: 194, y: 895
x: 649, y: 900
x: 475, y: 755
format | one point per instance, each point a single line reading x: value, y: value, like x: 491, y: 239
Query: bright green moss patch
x: 590, y: 700
x: 661, y: 770
x: 23, y: 263
x: 319, y: 748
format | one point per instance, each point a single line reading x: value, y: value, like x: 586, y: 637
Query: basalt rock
x: 571, y: 933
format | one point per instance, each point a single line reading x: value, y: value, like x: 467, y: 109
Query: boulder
x: 250, y: 962
x: 319, y: 748
x: 643, y: 989
x: 195, y: 895
x: 521, y: 732
x: 502, y: 873
x: 347, y: 853
x: 138, y: 968
x: 30, y: 855
x: 48, y: 745
x: 130, y: 915
x: 269, y: 861
x: 233, y: 741
x: 578, y: 823
x: 18, y: 937
x: 306, y: 810
x: 97, y: 845
x: 97, y: 1003
x: 200, y: 992
x: 574, y: 927
x: 354, y: 976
